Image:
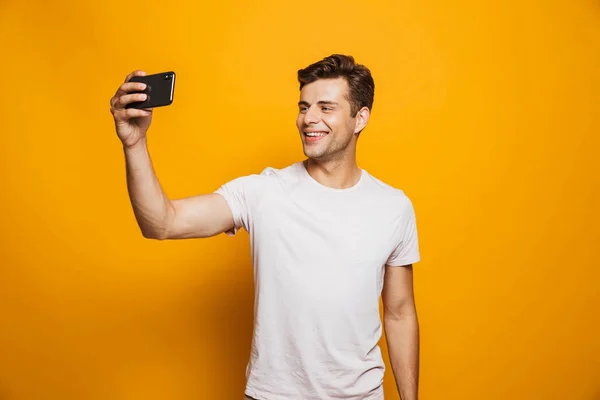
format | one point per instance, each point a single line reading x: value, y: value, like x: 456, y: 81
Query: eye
x: 303, y: 109
x: 327, y: 109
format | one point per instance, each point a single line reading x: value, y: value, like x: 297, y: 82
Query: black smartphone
x: 160, y: 89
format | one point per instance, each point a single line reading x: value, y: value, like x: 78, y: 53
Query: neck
x: 336, y: 174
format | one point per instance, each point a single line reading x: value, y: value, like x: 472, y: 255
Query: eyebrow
x: 322, y: 102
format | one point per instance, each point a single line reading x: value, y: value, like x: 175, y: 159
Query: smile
x: 317, y: 134
x: 314, y: 136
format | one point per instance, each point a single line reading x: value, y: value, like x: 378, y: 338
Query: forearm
x: 151, y: 207
x: 402, y: 335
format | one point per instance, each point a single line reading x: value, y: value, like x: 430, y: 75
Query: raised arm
x: 157, y: 216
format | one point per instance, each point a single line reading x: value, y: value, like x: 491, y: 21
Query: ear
x: 362, y: 118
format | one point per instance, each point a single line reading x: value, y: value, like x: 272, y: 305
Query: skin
x: 331, y: 161
x: 324, y: 106
x: 402, y: 329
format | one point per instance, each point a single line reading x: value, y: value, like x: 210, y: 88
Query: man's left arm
x: 402, y: 329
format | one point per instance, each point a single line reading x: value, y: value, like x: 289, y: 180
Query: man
x: 327, y: 238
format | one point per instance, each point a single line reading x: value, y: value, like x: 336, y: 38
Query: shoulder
x: 268, y: 177
x: 389, y: 196
x: 282, y: 177
x: 288, y: 172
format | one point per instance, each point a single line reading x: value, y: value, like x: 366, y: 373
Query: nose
x: 311, y: 116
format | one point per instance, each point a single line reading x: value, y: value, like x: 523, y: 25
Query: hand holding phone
x: 160, y: 90
x: 131, y: 105
x: 131, y: 123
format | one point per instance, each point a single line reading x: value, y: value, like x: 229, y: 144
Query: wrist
x: 141, y: 146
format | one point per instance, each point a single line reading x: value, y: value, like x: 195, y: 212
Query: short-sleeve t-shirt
x: 319, y: 257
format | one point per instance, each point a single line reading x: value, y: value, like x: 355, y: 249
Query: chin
x: 315, y: 156
x: 311, y: 152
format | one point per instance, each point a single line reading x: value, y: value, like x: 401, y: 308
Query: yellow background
x: 486, y: 114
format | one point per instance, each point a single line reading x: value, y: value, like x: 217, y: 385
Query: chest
x: 316, y: 231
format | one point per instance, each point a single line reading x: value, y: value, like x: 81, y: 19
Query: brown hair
x: 360, y: 81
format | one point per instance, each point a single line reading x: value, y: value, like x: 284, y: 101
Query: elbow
x: 156, y: 231
x: 400, y: 317
x: 148, y: 234
x: 403, y: 313
x: 159, y: 229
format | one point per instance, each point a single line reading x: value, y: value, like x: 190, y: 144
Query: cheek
x: 339, y: 124
x: 331, y: 121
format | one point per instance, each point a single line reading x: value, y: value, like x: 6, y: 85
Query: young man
x: 327, y: 238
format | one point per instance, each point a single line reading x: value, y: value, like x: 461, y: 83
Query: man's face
x: 324, y: 120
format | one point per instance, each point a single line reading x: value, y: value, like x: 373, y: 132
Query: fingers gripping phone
x: 160, y: 89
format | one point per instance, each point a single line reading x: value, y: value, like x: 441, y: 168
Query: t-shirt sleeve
x: 242, y: 195
x: 407, y: 246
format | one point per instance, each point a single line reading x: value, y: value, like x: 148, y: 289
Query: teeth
x: 311, y: 134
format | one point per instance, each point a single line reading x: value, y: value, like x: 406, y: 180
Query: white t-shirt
x: 319, y: 258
